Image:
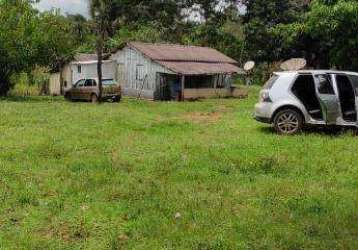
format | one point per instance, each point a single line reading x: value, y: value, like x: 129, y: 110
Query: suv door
x: 347, y: 97
x: 89, y: 88
x: 82, y: 90
x: 76, y: 90
x: 354, y: 80
x: 327, y: 97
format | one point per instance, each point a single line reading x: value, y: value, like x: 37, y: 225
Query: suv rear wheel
x: 68, y: 96
x: 288, y: 122
x: 117, y: 99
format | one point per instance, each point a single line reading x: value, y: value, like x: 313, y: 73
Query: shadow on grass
x: 32, y: 99
x: 317, y: 130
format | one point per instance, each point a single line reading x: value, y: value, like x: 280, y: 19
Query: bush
x: 30, y: 84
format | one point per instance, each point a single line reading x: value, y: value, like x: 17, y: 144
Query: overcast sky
x: 66, y: 6
x: 80, y: 7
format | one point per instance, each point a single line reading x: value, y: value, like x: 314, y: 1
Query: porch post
x: 182, y: 87
x: 216, y: 82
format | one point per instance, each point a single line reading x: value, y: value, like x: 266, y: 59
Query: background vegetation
x: 324, y: 32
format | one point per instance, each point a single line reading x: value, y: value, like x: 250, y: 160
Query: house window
x: 139, y: 73
x: 79, y: 69
x: 199, y: 82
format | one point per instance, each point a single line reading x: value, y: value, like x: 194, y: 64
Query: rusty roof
x: 81, y: 57
x: 201, y: 68
x: 88, y: 58
x: 188, y: 60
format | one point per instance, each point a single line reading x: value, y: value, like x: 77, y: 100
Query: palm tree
x: 101, y: 11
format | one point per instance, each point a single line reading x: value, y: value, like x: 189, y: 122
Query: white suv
x: 290, y: 100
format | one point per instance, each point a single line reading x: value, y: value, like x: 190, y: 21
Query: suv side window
x: 89, y: 83
x: 269, y: 84
x: 80, y: 83
x: 325, y: 86
x: 354, y: 80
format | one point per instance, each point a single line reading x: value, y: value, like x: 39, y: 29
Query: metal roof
x: 90, y: 62
x: 188, y: 60
x: 200, y: 68
x: 85, y: 57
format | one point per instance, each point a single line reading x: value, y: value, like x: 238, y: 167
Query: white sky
x: 66, y: 6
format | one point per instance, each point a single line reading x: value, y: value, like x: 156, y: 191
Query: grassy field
x: 148, y: 175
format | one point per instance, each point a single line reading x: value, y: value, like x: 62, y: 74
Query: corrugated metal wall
x: 137, y: 70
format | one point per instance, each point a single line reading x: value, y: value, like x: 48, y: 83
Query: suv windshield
x: 271, y: 82
x: 109, y: 82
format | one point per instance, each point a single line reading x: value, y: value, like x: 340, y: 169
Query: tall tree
x: 102, y: 14
x: 220, y: 26
x: 173, y: 19
x: 261, y: 16
x: 81, y: 26
x: 326, y: 35
x: 166, y: 15
x: 29, y: 38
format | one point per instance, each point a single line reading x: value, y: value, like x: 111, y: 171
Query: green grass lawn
x: 150, y: 175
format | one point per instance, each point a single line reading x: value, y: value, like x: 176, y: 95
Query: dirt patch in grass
x: 199, y: 117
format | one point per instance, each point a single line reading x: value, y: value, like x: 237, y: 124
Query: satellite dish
x: 294, y: 64
x: 249, y: 65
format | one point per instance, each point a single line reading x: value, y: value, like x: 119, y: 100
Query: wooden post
x: 182, y: 87
x: 216, y: 82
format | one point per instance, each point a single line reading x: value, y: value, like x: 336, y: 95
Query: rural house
x: 168, y: 71
x: 82, y: 66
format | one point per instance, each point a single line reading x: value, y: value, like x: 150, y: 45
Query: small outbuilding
x: 174, y: 72
x: 81, y: 67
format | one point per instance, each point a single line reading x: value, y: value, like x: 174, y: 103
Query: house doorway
x: 169, y: 87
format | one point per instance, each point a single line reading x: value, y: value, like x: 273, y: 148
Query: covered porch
x: 182, y: 87
x: 198, y: 79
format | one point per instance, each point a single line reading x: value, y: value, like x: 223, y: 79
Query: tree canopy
x: 322, y: 31
x: 29, y: 38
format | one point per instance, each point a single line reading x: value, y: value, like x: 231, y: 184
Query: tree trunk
x: 62, y: 92
x: 99, y: 63
x: 4, y: 83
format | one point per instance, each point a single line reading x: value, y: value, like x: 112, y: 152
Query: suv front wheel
x: 288, y: 122
x: 94, y: 98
